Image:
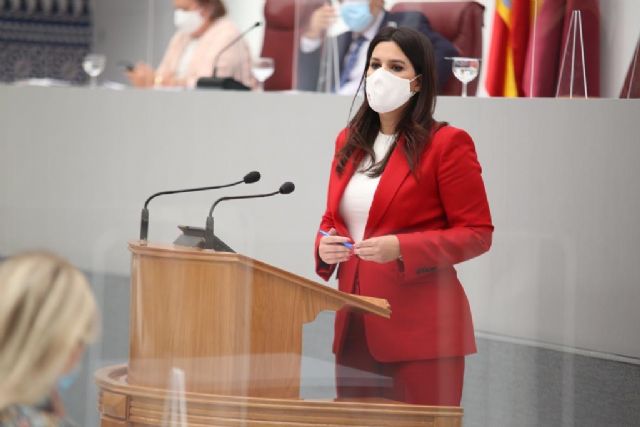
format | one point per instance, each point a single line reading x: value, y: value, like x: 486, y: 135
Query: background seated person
x: 364, y: 19
x: 202, y: 32
x: 47, y: 316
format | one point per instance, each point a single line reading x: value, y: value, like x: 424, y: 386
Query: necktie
x: 351, y: 59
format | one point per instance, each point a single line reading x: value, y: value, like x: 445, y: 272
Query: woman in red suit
x: 406, y: 202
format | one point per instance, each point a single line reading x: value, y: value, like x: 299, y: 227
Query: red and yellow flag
x: 528, y: 43
x: 508, y: 50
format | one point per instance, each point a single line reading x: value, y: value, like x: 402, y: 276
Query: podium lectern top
x: 366, y: 304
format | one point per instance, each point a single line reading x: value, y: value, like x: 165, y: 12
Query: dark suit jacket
x: 309, y: 63
x: 441, y: 219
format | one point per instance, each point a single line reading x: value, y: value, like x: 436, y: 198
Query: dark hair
x: 219, y: 9
x: 417, y: 122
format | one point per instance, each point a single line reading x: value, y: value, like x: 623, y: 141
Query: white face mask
x: 187, y: 21
x: 386, y: 91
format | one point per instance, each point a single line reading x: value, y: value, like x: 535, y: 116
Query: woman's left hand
x: 378, y: 249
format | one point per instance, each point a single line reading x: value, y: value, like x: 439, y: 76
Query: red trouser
x: 424, y: 382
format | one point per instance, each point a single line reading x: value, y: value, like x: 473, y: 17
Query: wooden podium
x: 219, y: 337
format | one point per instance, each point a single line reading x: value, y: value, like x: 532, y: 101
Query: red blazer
x: 441, y: 218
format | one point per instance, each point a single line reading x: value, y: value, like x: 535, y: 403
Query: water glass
x: 93, y: 64
x: 262, y: 69
x: 465, y: 70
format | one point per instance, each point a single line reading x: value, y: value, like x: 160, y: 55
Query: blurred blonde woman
x: 47, y: 316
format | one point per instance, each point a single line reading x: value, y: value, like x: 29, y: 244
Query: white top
x: 358, y: 195
x: 351, y: 86
x: 185, y: 59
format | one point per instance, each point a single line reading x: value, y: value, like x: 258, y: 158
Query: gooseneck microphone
x: 228, y: 82
x: 209, y: 237
x: 250, y: 178
x: 231, y: 43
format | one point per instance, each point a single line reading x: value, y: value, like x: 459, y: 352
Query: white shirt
x: 308, y: 45
x: 358, y: 195
x: 185, y: 59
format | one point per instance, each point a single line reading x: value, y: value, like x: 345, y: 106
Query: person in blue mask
x: 48, y: 315
x: 363, y: 19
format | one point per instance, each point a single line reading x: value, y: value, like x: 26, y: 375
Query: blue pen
x: 345, y: 244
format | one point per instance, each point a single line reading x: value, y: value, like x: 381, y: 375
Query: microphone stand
x: 249, y: 178
x: 226, y: 83
x: 210, y: 239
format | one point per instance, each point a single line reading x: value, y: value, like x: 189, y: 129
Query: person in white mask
x: 363, y: 20
x: 202, y: 32
x: 406, y: 202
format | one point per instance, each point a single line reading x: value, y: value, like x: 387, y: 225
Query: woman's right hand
x: 142, y: 75
x: 331, y: 249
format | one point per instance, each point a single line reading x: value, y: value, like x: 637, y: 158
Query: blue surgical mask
x: 66, y: 381
x: 356, y: 15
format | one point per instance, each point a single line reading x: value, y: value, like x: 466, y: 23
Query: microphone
x: 228, y: 46
x: 228, y: 82
x: 210, y: 240
x: 250, y: 178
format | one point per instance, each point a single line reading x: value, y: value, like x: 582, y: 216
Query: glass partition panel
x: 249, y: 327
x: 317, y: 28
x: 536, y: 318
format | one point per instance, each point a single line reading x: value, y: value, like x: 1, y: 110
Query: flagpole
x: 573, y: 52
x: 564, y: 54
x: 633, y: 70
x: 584, y: 62
x: 533, y: 52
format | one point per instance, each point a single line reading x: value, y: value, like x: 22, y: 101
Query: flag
x: 543, y: 54
x: 508, y: 49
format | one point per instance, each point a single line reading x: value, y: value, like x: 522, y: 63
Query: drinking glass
x: 465, y: 70
x: 93, y: 64
x: 262, y: 69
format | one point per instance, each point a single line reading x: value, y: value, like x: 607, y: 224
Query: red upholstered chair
x: 279, y: 38
x: 279, y: 17
x: 459, y: 22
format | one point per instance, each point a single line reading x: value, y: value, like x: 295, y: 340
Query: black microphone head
x: 287, y: 188
x: 257, y: 24
x: 251, y: 177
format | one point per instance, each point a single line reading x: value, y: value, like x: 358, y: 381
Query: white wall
x: 618, y: 36
x: 244, y: 13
